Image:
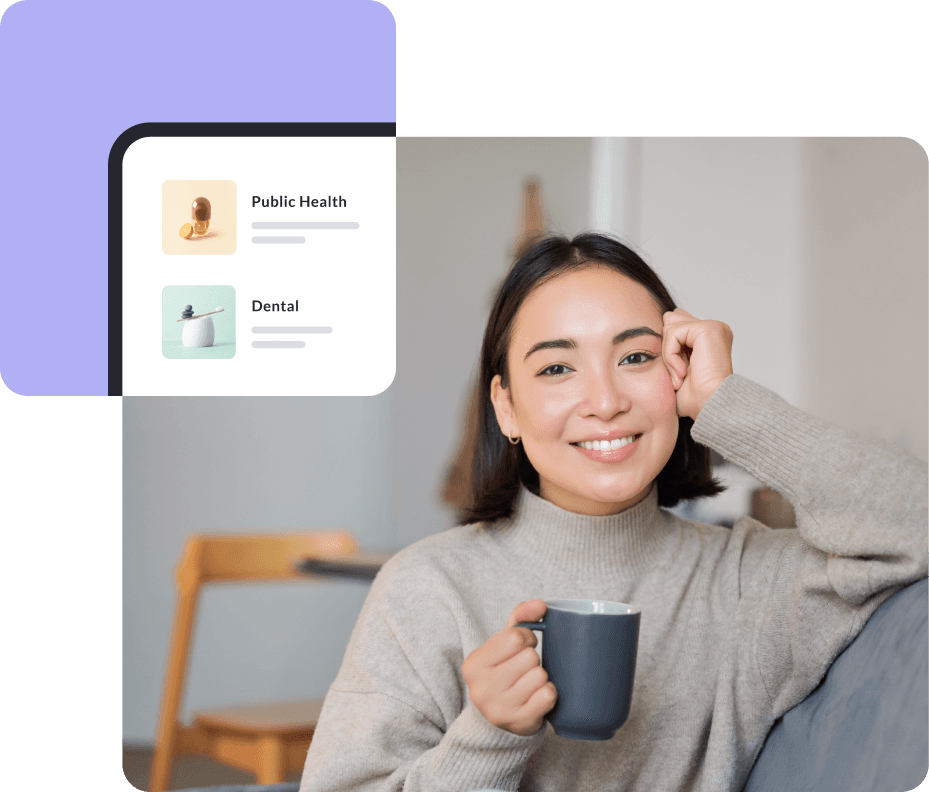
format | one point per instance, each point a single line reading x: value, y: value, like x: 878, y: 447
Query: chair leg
x: 271, y: 760
x: 162, y: 762
x: 166, y: 741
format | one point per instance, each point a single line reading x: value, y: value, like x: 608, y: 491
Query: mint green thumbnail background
x: 203, y: 299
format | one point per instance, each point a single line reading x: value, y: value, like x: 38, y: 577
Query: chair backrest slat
x: 252, y: 557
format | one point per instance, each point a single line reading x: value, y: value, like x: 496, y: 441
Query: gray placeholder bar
x: 279, y: 344
x: 310, y: 226
x: 291, y: 329
x: 278, y: 240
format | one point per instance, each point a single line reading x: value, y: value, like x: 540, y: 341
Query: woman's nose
x: 605, y: 397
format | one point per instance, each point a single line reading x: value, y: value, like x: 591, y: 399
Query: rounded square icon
x: 198, y: 322
x: 198, y: 218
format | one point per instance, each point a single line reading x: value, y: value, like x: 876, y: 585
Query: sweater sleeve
x: 397, y: 716
x: 861, y: 508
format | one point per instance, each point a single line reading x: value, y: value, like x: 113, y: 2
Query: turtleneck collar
x: 569, y: 548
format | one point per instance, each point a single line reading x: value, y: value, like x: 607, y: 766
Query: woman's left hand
x: 698, y: 354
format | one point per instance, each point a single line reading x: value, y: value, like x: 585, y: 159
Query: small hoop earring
x: 512, y: 441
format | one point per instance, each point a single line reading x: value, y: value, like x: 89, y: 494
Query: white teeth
x: 607, y: 445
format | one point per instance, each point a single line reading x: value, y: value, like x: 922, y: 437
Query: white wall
x: 865, y: 329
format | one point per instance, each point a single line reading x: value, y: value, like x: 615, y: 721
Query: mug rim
x: 630, y: 610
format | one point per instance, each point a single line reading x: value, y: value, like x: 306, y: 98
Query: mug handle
x: 539, y: 625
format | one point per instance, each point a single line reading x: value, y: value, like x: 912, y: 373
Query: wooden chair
x: 267, y: 740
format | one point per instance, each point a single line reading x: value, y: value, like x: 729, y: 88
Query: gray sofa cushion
x: 866, y: 727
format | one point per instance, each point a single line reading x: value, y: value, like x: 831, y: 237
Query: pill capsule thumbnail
x: 200, y: 212
x: 187, y: 231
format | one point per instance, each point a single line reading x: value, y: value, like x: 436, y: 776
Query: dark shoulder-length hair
x: 498, y: 466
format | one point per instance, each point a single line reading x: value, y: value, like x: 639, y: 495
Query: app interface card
x: 256, y: 265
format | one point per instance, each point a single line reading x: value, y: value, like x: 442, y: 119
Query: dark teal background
x: 478, y: 68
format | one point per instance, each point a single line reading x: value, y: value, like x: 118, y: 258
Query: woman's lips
x: 617, y: 455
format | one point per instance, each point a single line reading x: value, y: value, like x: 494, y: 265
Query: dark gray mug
x: 588, y: 651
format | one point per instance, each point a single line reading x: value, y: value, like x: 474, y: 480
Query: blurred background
x: 814, y: 252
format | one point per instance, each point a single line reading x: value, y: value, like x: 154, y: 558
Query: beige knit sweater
x: 738, y: 625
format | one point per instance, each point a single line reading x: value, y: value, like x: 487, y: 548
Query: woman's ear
x: 503, y: 408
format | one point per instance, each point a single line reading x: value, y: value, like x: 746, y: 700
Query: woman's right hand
x: 505, y: 679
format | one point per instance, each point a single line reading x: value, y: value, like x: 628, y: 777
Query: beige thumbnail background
x: 176, y: 197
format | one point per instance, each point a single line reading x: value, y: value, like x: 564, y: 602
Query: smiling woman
x: 572, y: 356
x: 599, y: 402
x: 572, y: 398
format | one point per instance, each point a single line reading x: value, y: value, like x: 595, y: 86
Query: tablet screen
x: 256, y: 264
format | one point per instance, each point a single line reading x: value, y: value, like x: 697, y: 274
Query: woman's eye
x: 637, y: 358
x: 555, y: 370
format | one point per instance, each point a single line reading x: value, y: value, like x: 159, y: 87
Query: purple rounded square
x: 74, y: 76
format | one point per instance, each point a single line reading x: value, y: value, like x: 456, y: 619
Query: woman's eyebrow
x: 635, y: 332
x: 557, y: 343
x: 567, y: 343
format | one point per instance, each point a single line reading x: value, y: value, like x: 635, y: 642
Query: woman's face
x: 585, y: 368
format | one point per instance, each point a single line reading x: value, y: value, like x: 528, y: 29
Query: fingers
x: 698, y: 355
x: 524, y: 687
x: 686, y: 336
x: 528, y: 699
x: 541, y: 699
x: 678, y: 315
x: 505, y: 679
x: 677, y: 326
x: 519, y: 676
x: 514, y: 695
x: 506, y: 644
x: 541, y: 702
x: 533, y: 610
x: 513, y: 640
